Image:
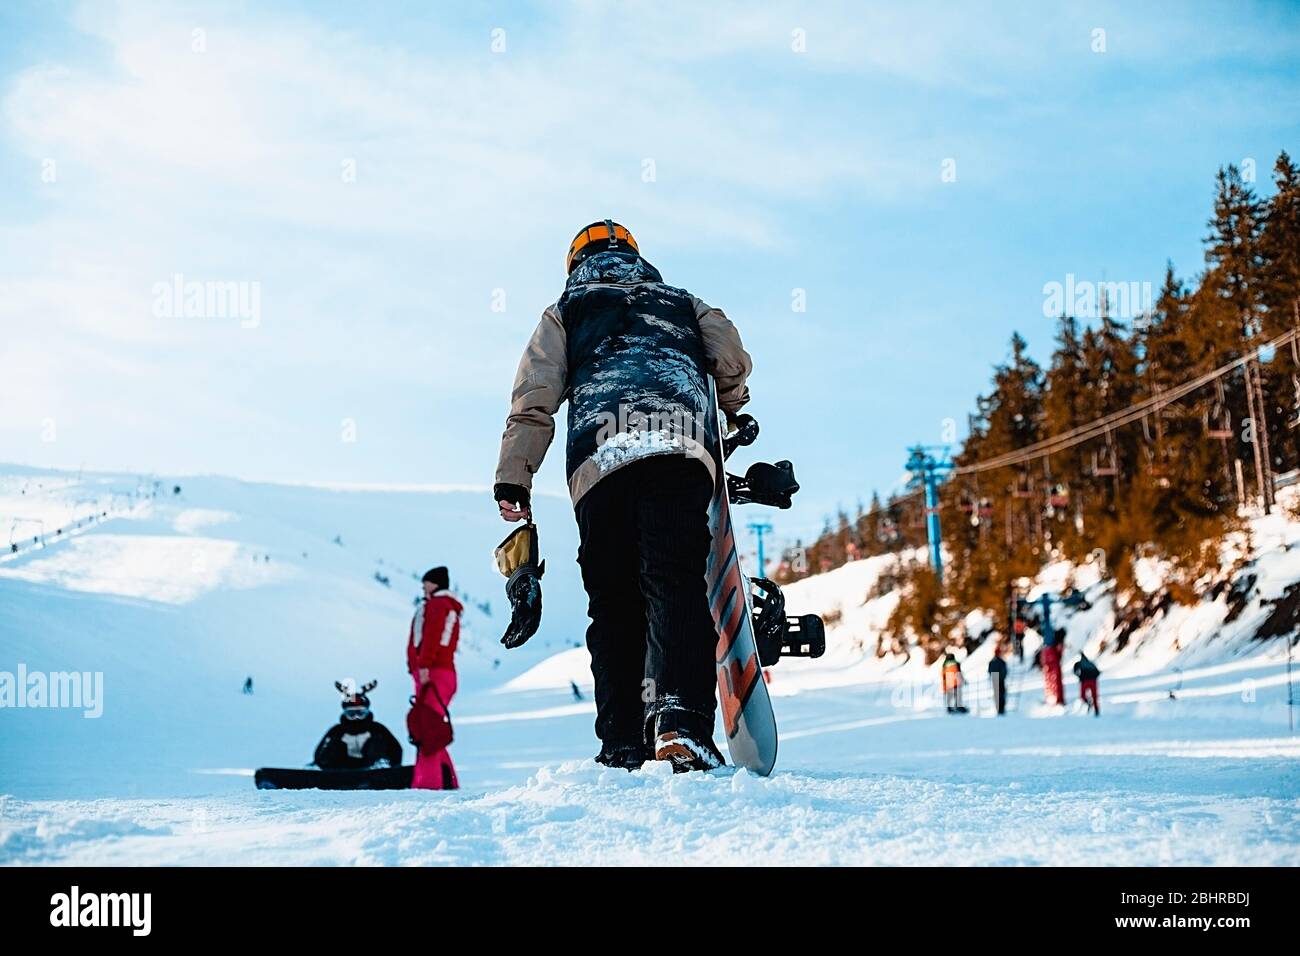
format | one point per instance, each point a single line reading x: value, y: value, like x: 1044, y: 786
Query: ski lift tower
x: 928, y: 464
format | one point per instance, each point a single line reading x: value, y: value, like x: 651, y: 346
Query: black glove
x: 515, y: 494
x: 764, y: 484
x: 517, y: 558
x: 524, y: 590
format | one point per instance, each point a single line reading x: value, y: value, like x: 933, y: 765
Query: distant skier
x: 952, y: 679
x: 631, y: 355
x: 431, y: 661
x: 1053, y: 685
x: 573, y: 686
x: 1088, y: 672
x: 357, y: 741
x: 998, y: 678
x: 248, y: 684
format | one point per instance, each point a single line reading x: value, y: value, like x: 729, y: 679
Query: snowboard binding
x: 764, y: 484
x: 778, y: 634
x: 744, y: 429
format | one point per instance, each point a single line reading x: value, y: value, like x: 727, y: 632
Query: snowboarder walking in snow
x: 357, y: 741
x: 998, y: 678
x: 631, y: 355
x: 431, y: 661
x: 952, y: 682
x: 1088, y: 672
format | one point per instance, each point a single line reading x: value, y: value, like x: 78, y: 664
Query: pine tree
x: 1279, y: 297
x: 1110, y: 363
x: 1009, y: 418
x: 1167, y: 485
x: 1066, y: 404
x: 871, y: 531
x: 1228, y: 301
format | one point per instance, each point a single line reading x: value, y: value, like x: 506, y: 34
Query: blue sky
x: 774, y: 169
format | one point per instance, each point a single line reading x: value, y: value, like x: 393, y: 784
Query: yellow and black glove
x: 517, y: 559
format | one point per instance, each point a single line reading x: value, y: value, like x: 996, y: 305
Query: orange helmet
x: 598, y: 237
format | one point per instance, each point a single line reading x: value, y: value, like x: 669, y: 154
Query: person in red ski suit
x: 430, y: 658
x: 1053, y: 686
x: 1088, y: 672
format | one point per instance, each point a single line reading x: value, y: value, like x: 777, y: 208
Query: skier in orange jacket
x: 952, y: 682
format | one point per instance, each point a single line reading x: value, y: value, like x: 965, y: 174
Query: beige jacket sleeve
x: 729, y: 363
x: 540, y: 385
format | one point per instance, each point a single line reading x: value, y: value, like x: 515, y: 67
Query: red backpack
x: 429, y: 730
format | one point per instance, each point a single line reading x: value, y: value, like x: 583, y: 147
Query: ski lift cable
x: 1101, y: 426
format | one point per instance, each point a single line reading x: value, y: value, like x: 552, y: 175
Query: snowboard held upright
x: 748, y: 642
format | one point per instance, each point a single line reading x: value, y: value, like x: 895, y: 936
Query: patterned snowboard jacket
x: 631, y: 355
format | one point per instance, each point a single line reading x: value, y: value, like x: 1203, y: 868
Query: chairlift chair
x: 1104, y: 466
x: 1218, y: 422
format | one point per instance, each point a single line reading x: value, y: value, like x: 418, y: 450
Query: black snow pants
x: 643, y: 544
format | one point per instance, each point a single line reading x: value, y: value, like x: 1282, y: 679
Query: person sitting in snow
x: 357, y: 741
x: 1088, y: 672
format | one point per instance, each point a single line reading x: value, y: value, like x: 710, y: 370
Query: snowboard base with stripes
x: 747, y: 717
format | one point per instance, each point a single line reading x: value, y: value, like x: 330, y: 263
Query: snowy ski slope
x: 172, y: 598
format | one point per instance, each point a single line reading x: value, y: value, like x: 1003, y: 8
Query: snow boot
x: 685, y: 739
x: 624, y: 756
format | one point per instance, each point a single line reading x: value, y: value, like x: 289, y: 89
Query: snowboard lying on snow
x: 311, y: 778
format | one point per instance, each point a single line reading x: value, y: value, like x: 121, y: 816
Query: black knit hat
x: 438, y: 577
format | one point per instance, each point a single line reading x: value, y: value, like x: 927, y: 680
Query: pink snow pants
x: 1053, y: 688
x: 435, y: 771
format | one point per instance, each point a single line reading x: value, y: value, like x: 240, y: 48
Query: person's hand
x: 513, y: 501
x: 510, y: 513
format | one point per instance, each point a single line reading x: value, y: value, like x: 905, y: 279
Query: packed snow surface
x: 177, y: 596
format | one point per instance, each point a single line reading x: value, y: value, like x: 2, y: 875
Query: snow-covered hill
x: 176, y: 597
x: 1198, y: 652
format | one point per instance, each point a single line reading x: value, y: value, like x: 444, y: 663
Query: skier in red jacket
x: 430, y: 658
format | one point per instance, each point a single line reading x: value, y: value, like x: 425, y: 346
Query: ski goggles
x: 608, y: 231
x: 356, y: 713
